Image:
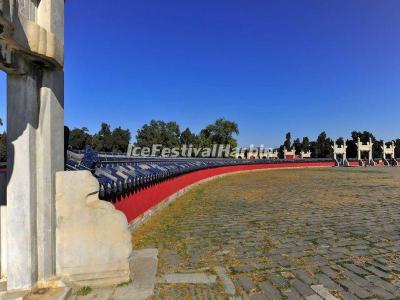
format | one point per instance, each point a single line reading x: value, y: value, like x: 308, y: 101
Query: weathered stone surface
x: 229, y: 287
x: 37, y: 29
x: 246, y: 283
x: 302, y: 288
x: 144, y: 268
x: 270, y: 291
x: 323, y: 292
x: 22, y: 105
x: 198, y: 278
x: 355, y: 289
x: 93, y: 240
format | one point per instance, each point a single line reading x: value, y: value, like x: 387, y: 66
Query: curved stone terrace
x: 120, y: 175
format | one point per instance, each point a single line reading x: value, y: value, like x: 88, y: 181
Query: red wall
x: 138, y: 203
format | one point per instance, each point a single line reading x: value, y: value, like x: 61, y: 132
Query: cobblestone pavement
x: 285, y: 234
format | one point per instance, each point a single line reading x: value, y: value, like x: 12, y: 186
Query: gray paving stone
x: 226, y: 281
x: 243, y: 269
x: 195, y: 278
x: 355, y: 278
x: 278, y: 280
x: 302, y: 288
x: 356, y: 269
x: 379, y: 273
x: 384, y: 284
x: 314, y: 297
x: 171, y: 257
x: 329, y: 271
x: 144, y: 268
x: 292, y: 294
x: 246, y: 283
x: 381, y: 266
x: 323, y: 292
x: 355, y: 289
x: 258, y: 296
x: 269, y: 290
x: 304, y: 276
x: 381, y: 293
x: 349, y: 296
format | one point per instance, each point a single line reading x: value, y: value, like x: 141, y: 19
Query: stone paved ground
x: 284, y: 234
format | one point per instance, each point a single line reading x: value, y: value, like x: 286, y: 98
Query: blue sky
x: 272, y: 66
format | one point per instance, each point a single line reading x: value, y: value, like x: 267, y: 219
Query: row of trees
x: 222, y: 131
x: 322, y: 146
x: 105, y: 140
x: 167, y: 134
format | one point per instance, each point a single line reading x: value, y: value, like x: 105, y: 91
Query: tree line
x: 222, y: 131
x: 167, y: 134
x: 105, y: 140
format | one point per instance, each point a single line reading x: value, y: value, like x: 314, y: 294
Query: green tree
x: 397, y: 149
x: 121, y: 138
x: 205, y: 140
x: 171, y: 135
x: 323, y: 146
x: 79, y: 138
x: 103, y: 140
x: 351, y: 150
x: 297, y: 146
x: 221, y: 132
x: 305, y: 144
x: 158, y: 132
x: 189, y: 138
x: 340, y: 141
x: 288, y: 141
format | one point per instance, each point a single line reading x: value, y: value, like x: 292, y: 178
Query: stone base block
x: 93, y: 241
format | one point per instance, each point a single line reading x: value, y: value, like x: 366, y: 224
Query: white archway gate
x: 388, y: 152
x: 340, y: 150
x: 365, y: 147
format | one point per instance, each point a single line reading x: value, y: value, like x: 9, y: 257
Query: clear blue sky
x: 272, y: 66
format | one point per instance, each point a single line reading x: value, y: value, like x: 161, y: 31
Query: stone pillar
x: 359, y: 149
x: 35, y: 154
x: 334, y: 150
x: 32, y: 55
x: 50, y: 159
x: 22, y: 122
x: 370, y: 150
x: 3, y: 222
x: 394, y: 150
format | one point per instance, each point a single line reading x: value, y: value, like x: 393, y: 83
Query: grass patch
x: 83, y: 291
